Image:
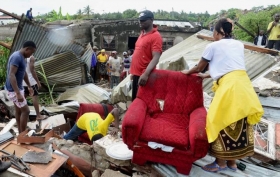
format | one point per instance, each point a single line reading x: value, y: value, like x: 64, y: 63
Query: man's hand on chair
x: 143, y: 79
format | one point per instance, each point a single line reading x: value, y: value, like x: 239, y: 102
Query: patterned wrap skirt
x: 234, y: 142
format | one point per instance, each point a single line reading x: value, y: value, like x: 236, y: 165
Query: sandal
x: 232, y: 168
x: 213, y: 166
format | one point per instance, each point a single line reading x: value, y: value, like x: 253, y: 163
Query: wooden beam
x: 6, y: 45
x: 246, y: 46
x: 10, y: 14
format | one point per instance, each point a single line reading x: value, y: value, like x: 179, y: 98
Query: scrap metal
x: 17, y: 162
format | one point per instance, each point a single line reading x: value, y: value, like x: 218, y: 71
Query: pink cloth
x: 13, y: 97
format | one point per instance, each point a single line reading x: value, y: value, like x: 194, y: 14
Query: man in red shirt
x: 148, y: 49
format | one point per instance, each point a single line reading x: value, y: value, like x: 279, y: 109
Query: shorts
x: 34, y: 87
x: 13, y: 97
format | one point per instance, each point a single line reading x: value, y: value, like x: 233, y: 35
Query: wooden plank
x: 5, y: 45
x: 42, y: 170
x: 10, y: 14
x: 246, y: 46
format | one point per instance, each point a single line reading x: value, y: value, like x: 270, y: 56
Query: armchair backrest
x: 181, y: 93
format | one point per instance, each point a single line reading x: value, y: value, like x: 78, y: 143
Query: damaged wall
x: 8, y: 31
x: 122, y: 35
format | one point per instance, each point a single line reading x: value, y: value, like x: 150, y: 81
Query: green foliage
x: 4, y: 57
x: 87, y: 11
x: 50, y: 89
x: 257, y: 19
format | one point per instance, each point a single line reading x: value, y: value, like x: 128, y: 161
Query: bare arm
x: 13, y: 80
x: 272, y: 25
x: 26, y: 80
x: 144, y: 77
x: 115, y: 113
x: 33, y: 72
x: 202, y: 64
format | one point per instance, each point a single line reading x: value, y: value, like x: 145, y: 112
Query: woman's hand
x: 203, y: 75
x: 185, y: 71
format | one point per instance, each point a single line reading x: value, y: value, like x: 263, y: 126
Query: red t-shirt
x: 145, y: 45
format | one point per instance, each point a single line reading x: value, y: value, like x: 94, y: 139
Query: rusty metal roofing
x: 62, y: 70
x: 187, y: 53
x: 49, y: 42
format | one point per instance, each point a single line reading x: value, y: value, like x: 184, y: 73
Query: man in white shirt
x: 260, y: 40
x: 115, y: 69
x: 35, y: 84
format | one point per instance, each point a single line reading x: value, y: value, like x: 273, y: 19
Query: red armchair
x: 89, y: 107
x: 181, y: 123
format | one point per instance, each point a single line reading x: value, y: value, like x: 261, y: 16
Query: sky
x: 102, y: 6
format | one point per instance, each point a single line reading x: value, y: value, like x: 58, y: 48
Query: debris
x: 8, y: 126
x: 88, y: 93
x: 95, y: 173
x: 110, y: 173
x: 53, y: 121
x: 17, y: 162
x: 37, y: 157
x: 6, y: 137
x: 45, y: 136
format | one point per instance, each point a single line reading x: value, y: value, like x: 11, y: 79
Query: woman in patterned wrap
x: 235, y: 107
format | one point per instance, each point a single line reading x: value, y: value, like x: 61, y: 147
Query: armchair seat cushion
x: 167, y: 129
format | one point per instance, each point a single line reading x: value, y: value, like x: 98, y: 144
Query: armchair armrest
x: 133, y: 122
x: 197, y: 133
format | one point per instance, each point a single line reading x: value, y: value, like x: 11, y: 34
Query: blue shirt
x: 18, y: 60
x: 29, y: 14
x: 93, y: 60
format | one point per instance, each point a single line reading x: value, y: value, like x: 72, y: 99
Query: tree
x: 255, y: 21
x: 79, y: 12
x: 129, y: 13
x: 87, y: 10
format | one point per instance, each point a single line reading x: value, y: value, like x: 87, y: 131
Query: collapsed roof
x: 187, y: 53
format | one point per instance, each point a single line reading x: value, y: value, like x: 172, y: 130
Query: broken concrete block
x: 33, y: 125
x: 53, y: 121
x: 139, y: 175
x: 265, y: 93
x: 95, y: 173
x: 70, y: 142
x: 8, y: 104
x: 122, y: 107
x: 111, y: 173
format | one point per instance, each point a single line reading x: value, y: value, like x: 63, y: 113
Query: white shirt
x: 115, y: 64
x: 224, y: 56
x: 259, y: 43
x: 32, y: 81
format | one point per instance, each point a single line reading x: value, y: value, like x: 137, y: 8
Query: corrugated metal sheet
x: 49, y: 42
x: 196, y: 171
x: 60, y: 54
x: 173, y: 23
x: 188, y: 52
x: 88, y: 93
x: 63, y: 70
x: 86, y: 57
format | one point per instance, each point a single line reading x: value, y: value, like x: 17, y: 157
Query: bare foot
x: 40, y: 117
